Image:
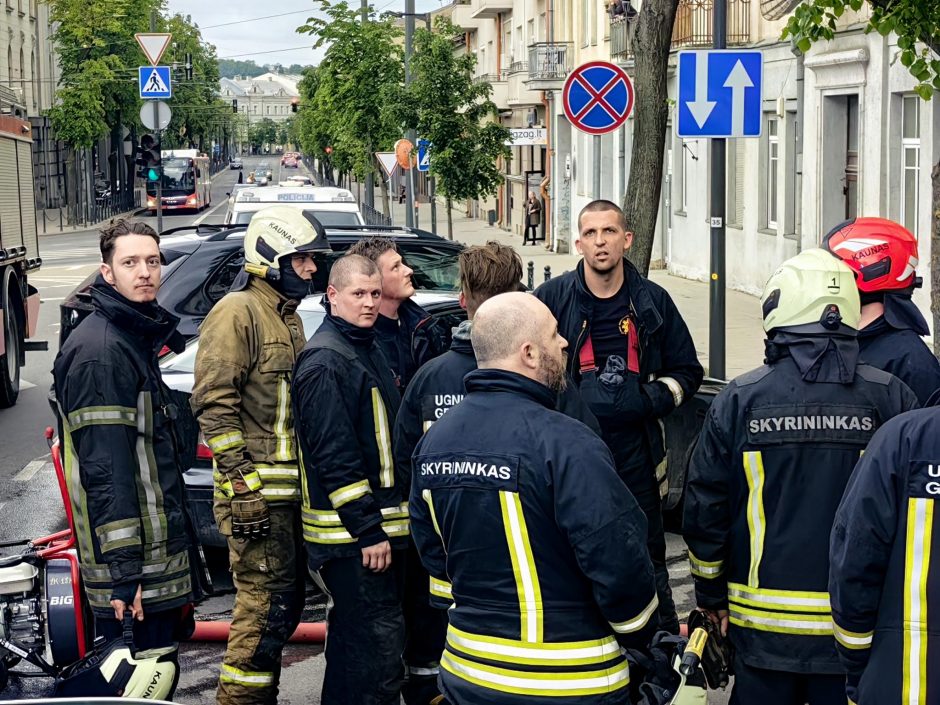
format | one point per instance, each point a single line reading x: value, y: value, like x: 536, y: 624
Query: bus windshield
x: 179, y: 177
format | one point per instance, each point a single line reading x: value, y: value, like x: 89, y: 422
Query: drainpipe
x: 547, y: 168
x: 798, y: 150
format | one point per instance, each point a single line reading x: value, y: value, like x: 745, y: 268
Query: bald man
x: 519, y: 515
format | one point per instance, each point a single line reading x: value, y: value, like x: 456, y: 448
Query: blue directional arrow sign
x: 154, y: 82
x: 424, y: 155
x: 720, y: 93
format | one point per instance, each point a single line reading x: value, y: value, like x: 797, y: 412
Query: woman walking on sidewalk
x: 533, y: 218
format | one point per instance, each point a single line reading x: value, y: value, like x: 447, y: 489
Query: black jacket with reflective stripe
x: 666, y: 346
x: 409, y: 342
x: 345, y: 400
x: 517, y: 509
x: 120, y: 453
x: 885, y: 566
x: 765, y: 479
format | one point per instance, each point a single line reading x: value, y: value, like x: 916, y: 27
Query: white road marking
x: 60, y: 298
x: 32, y: 468
x: 26, y: 385
x: 210, y: 212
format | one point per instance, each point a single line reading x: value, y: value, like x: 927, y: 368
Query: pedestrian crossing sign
x: 154, y: 82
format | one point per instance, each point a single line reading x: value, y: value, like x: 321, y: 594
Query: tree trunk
x: 651, y: 38
x: 450, y: 219
x: 935, y: 257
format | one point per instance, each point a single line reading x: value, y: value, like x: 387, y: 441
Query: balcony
x: 462, y: 16
x: 489, y: 9
x: 548, y: 65
x: 500, y: 92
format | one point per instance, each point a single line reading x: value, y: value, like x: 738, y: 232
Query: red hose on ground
x: 306, y: 633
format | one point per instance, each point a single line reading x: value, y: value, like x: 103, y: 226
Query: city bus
x: 185, y: 181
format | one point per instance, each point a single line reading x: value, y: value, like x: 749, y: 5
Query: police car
x: 331, y: 206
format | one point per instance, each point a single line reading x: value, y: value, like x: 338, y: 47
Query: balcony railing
x: 549, y: 61
x: 490, y: 77
x: 518, y: 67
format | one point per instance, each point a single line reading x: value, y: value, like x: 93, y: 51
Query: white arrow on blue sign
x: 424, y: 155
x: 154, y: 82
x: 720, y: 93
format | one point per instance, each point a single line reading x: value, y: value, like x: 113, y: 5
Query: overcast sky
x: 271, y: 40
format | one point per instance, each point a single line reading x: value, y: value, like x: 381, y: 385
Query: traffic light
x: 293, y: 105
x: 148, y: 158
x: 234, y: 106
x: 189, y: 67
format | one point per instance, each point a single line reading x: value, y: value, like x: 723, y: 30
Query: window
x: 586, y: 7
x: 910, y: 160
x: 773, y: 162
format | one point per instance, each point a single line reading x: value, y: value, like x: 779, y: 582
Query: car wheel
x: 10, y: 361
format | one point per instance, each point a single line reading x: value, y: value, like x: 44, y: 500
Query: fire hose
x: 306, y: 632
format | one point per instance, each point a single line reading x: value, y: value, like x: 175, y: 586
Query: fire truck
x: 19, y: 255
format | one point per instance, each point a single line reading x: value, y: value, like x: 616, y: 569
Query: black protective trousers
x: 765, y: 687
x: 425, y: 633
x: 365, y: 632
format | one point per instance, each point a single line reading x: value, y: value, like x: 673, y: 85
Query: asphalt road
x: 30, y: 504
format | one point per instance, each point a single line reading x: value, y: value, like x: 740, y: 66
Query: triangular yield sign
x: 388, y: 162
x: 153, y: 44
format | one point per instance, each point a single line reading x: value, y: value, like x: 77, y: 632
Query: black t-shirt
x: 610, y: 327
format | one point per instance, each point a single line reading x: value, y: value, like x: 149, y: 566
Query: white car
x: 331, y: 206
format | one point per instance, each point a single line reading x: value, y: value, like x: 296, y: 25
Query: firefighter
x: 118, y: 446
x: 520, y: 517
x: 355, y: 516
x: 775, y: 454
x: 633, y: 359
x: 241, y: 398
x: 885, y: 562
x: 405, y: 331
x: 884, y: 257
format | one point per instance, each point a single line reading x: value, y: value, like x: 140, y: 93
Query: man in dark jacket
x: 119, y: 449
x: 485, y: 271
x: 518, y: 513
x: 883, y: 255
x: 884, y: 577
x: 354, y: 512
x: 405, y: 331
x: 776, y: 452
x: 634, y: 361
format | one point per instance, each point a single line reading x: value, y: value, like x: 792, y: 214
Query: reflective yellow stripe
x: 705, y: 569
x: 252, y: 481
x: 523, y: 566
x: 426, y: 495
x: 323, y: 517
x: 103, y: 415
x: 441, y: 588
x: 786, y: 600
x: 567, y: 653
x: 781, y: 622
x: 393, y: 528
x: 283, y: 429
x: 916, y: 570
x: 250, y: 679
x: 551, y: 684
x: 427, y: 425
x: 754, y: 469
x: 382, y: 440
x: 674, y: 388
x: 118, y: 534
x: 225, y: 441
x: 852, y: 640
x: 638, y: 622
x: 348, y: 493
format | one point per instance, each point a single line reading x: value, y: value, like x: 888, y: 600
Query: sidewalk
x: 744, y: 344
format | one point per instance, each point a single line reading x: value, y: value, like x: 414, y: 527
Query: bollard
x: 531, y: 274
x: 548, y: 272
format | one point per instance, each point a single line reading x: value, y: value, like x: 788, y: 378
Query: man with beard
x: 633, y: 359
x: 519, y: 515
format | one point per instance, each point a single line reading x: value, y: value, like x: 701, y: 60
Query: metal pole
x: 597, y: 166
x: 716, y: 327
x: 156, y: 123
x: 410, y: 134
x: 432, y: 187
x: 370, y: 183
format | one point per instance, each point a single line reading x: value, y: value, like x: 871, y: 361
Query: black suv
x: 200, y: 264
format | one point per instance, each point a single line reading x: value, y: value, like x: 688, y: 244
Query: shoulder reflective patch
x: 488, y: 471
x: 924, y: 480
x: 811, y: 423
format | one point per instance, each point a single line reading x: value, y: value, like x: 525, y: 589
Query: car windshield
x: 326, y: 218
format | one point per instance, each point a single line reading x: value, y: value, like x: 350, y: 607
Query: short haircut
x: 488, y: 270
x: 349, y: 265
x: 503, y: 324
x: 373, y: 247
x: 601, y: 205
x: 112, y: 232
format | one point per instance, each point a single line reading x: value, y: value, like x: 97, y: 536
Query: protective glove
x: 614, y: 371
x: 251, y: 518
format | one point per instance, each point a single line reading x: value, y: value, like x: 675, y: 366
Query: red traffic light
x: 328, y: 150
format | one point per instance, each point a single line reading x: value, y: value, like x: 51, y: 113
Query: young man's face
x: 396, y: 277
x: 304, y: 265
x: 602, y: 240
x: 357, y: 303
x: 135, y: 268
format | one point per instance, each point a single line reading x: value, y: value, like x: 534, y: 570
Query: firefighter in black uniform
x: 884, y: 576
x: 119, y: 449
x: 519, y: 515
x: 354, y: 512
x: 776, y: 452
x: 633, y: 359
x: 883, y: 256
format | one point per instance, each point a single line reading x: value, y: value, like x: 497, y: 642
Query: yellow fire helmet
x: 114, y: 670
x: 279, y: 231
x: 814, y: 292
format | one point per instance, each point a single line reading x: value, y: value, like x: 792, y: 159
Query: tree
x: 263, y: 132
x: 453, y: 112
x: 362, y: 65
x: 917, y: 26
x: 651, y: 37
x: 230, y: 68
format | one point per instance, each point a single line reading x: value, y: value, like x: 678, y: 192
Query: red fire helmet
x: 882, y: 253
